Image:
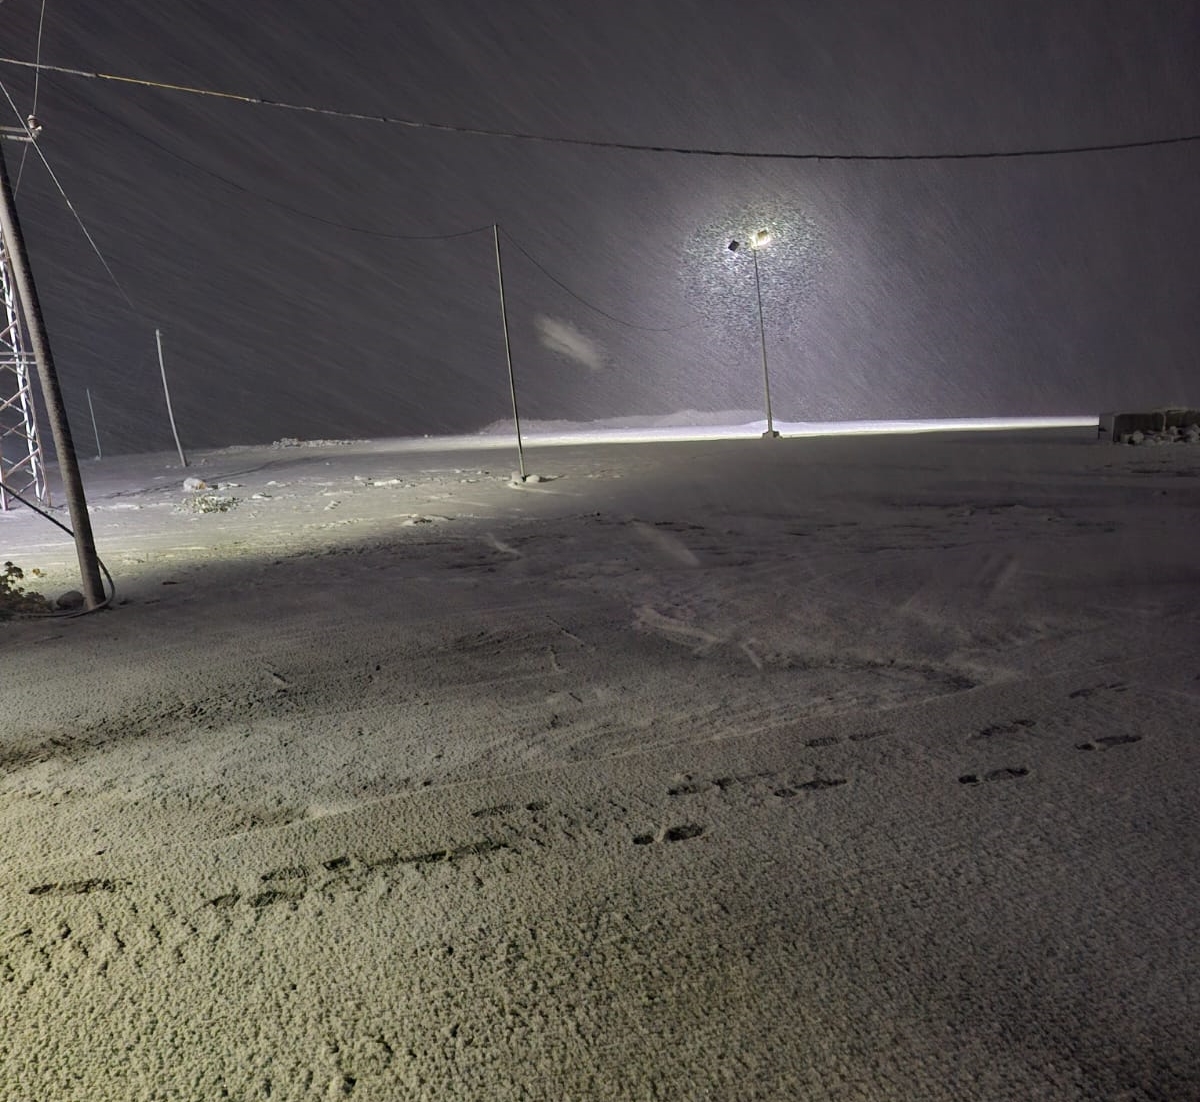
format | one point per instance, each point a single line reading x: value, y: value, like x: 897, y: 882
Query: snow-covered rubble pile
x: 296, y: 442
x: 1176, y: 434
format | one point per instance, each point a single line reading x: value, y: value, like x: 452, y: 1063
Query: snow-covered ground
x: 857, y: 767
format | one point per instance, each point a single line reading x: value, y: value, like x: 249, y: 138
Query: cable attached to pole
x: 66, y: 199
x: 112, y: 586
x: 37, y: 79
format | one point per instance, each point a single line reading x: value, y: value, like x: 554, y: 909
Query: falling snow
x: 259, y: 239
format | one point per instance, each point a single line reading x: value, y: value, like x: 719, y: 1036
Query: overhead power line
x: 37, y: 76
x: 375, y: 232
x: 370, y: 231
x: 70, y: 206
x: 593, y: 143
x: 580, y: 299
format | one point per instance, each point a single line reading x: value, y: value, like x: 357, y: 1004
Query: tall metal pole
x: 762, y: 340
x: 170, y: 415
x: 95, y: 430
x: 56, y: 414
x: 512, y: 384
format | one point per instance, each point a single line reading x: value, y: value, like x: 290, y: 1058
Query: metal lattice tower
x: 21, y: 465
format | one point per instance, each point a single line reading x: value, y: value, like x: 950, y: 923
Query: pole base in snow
x: 771, y: 434
x: 519, y: 479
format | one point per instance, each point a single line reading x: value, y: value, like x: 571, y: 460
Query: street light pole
x: 759, y: 239
x: 762, y: 343
x: 56, y: 414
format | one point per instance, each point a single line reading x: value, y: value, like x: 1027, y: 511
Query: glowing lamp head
x: 760, y: 239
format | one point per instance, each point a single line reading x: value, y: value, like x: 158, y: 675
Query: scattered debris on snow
x: 296, y: 442
x: 1176, y: 434
x: 208, y: 503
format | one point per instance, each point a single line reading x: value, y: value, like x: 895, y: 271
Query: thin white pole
x: 512, y: 384
x: 96, y: 431
x: 163, y: 368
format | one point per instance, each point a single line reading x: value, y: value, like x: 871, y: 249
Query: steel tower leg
x: 21, y: 465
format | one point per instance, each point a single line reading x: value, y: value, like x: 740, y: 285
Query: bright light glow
x: 593, y: 433
x: 760, y: 239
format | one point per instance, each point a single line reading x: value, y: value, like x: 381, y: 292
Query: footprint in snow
x: 673, y: 834
x: 1108, y: 742
x: 1006, y: 773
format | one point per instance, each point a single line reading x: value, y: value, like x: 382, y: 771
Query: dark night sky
x: 1034, y: 286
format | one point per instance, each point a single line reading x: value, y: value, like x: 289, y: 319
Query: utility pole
x: 56, y: 414
x: 167, y: 393
x: 512, y: 382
